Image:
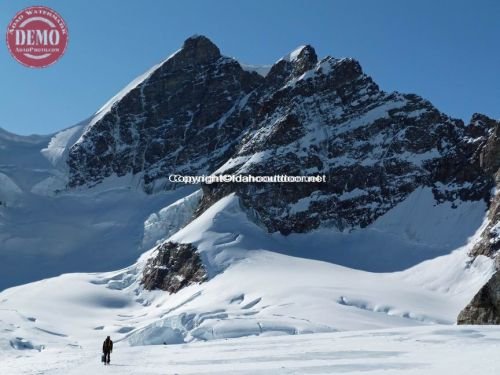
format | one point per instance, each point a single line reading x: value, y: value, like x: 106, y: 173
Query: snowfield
x: 431, y: 350
x: 56, y: 326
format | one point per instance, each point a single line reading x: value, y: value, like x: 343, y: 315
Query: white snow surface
x: 430, y: 350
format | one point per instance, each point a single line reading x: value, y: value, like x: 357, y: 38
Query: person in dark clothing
x: 107, y: 348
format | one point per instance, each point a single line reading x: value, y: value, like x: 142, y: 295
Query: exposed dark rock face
x: 173, y: 267
x: 489, y: 156
x: 375, y: 148
x: 490, y: 153
x: 489, y: 244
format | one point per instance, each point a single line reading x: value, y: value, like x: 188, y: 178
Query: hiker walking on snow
x: 107, y: 348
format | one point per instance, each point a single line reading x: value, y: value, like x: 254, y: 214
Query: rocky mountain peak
x: 199, y: 49
x: 292, y: 65
x: 479, y: 126
x: 478, y: 119
x: 184, y: 117
x: 305, y: 60
x: 490, y: 155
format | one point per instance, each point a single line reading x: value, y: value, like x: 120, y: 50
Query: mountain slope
x: 46, y: 230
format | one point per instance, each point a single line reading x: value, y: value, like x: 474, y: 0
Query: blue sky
x: 445, y: 51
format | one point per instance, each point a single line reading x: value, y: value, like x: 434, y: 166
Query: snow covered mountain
x: 200, y: 112
x: 402, y: 233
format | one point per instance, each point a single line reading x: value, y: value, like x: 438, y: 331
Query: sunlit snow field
x: 303, y: 316
x: 431, y: 350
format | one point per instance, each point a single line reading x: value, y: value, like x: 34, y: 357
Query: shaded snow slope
x: 101, y: 230
x: 416, y: 230
x: 162, y: 224
x: 21, y: 161
x: 8, y: 137
x: 420, y: 219
x: 9, y: 191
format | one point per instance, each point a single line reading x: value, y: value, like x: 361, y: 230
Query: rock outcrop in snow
x: 485, y: 306
x: 173, y: 267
